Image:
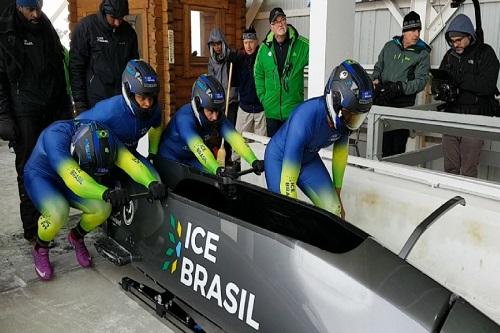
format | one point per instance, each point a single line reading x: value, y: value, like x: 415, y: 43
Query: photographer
x: 472, y: 68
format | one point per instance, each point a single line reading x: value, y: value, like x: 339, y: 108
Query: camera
x: 442, y: 87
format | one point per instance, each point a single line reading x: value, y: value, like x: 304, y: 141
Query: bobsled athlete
x: 292, y: 157
x: 60, y: 173
x: 194, y: 133
x: 135, y: 112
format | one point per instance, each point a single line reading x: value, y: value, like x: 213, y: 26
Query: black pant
x: 394, y: 142
x: 273, y: 125
x: 28, y: 130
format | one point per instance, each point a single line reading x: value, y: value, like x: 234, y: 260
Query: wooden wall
x: 231, y: 17
x: 153, y: 19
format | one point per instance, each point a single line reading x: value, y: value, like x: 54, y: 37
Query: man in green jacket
x: 400, y: 73
x: 279, y: 70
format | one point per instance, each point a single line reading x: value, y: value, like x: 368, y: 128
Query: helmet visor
x: 352, y: 120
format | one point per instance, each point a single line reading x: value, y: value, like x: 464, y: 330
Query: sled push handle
x: 139, y: 195
x: 427, y: 222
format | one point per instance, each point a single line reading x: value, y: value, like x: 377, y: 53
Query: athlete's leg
x: 316, y: 183
x: 95, y: 212
x: 48, y: 198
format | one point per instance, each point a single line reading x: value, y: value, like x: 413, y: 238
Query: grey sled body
x: 241, y: 259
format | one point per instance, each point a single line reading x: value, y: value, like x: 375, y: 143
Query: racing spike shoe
x: 82, y: 254
x: 43, y: 268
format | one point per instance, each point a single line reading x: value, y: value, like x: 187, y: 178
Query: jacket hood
x: 216, y: 35
x: 293, y: 34
x: 419, y: 46
x: 461, y: 23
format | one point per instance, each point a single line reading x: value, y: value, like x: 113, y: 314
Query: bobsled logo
x: 174, y: 252
x: 228, y: 296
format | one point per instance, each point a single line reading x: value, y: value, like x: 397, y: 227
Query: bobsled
x: 223, y: 255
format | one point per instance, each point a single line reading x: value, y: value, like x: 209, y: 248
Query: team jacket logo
x: 101, y: 39
x: 28, y: 43
x: 203, y: 245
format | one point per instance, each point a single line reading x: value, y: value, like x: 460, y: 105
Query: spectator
x: 250, y: 116
x: 100, y: 48
x: 400, y: 73
x: 218, y: 67
x: 473, y: 68
x: 32, y: 88
x: 279, y: 70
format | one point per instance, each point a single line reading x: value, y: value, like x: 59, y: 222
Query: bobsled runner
x: 227, y: 256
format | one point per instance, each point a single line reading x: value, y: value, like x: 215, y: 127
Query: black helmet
x: 94, y: 148
x: 349, y: 88
x: 115, y: 8
x: 209, y: 94
x: 140, y: 78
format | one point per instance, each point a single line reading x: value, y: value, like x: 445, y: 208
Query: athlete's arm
x: 237, y: 141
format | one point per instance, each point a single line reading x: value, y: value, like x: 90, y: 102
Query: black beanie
x: 411, y: 22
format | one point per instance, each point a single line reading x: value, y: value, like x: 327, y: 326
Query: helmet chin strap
x: 195, y: 111
x: 127, y: 99
x: 332, y: 115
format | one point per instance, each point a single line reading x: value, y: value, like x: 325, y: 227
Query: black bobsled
x: 228, y: 256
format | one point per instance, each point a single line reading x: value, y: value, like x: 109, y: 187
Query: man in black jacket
x: 473, y: 68
x: 32, y: 87
x: 101, y: 46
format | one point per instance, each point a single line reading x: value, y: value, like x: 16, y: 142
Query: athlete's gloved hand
x: 258, y: 167
x: 152, y: 158
x: 223, y: 172
x: 116, y: 197
x: 157, y: 190
x: 80, y: 107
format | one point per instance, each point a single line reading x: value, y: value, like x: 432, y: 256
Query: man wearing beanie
x: 32, y: 88
x: 279, y: 70
x: 100, y: 48
x: 473, y: 69
x: 250, y: 116
x: 401, y: 72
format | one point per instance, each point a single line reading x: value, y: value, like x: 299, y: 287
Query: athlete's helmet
x: 349, y: 88
x: 207, y: 93
x: 140, y: 78
x: 115, y: 8
x: 94, y: 148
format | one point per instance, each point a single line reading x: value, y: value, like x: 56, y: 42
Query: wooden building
x: 173, y: 37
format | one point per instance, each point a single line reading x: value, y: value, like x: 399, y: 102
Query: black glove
x: 116, y: 197
x: 447, y: 92
x: 7, y: 129
x: 152, y: 158
x: 223, y: 172
x: 392, y: 90
x: 157, y: 190
x: 80, y: 107
x: 258, y: 167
